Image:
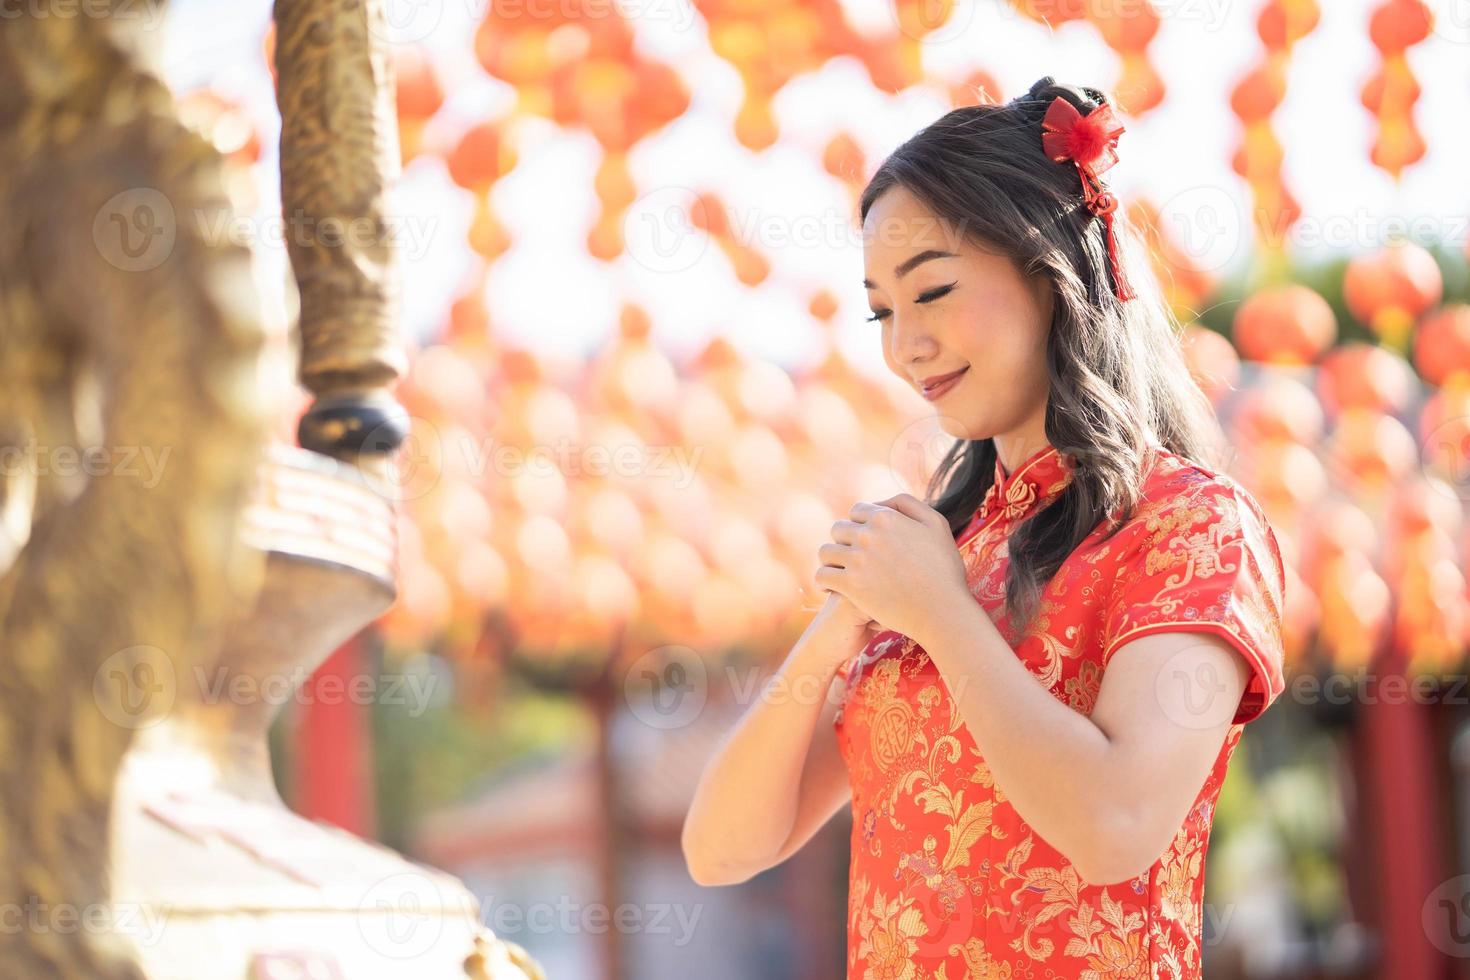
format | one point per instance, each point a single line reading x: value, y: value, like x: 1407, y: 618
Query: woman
x: 1068, y: 640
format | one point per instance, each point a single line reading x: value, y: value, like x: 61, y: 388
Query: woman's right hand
x: 840, y: 610
x: 849, y: 629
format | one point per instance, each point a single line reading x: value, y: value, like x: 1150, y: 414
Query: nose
x: 909, y: 342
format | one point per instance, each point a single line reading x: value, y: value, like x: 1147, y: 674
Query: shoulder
x: 1199, y: 554
x: 1187, y: 511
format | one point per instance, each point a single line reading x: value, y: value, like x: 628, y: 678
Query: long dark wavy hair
x: 1118, y: 381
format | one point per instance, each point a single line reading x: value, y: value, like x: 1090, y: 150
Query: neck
x: 1015, y: 447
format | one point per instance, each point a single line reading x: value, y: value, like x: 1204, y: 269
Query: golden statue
x: 151, y: 544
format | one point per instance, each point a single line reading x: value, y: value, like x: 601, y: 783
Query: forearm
x: 1057, y: 768
x: 746, y: 803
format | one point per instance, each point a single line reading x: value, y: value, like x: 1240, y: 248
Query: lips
x: 937, y: 385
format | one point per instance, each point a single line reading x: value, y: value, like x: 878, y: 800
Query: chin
x: 959, y: 428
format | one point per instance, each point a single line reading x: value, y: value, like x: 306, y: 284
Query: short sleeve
x: 1205, y: 560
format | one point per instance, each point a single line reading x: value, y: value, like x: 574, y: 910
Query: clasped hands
x: 895, y: 560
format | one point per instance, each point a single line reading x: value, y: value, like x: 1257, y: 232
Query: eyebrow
x: 909, y: 264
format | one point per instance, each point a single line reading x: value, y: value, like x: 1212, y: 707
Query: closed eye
x: 934, y: 293
x: 925, y: 297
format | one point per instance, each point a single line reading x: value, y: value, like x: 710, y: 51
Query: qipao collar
x: 1034, y: 483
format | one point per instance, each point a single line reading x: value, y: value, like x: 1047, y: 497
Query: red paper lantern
x: 1258, y: 94
x: 1390, y: 288
x: 1400, y: 24
x: 1360, y: 375
x: 1288, y: 324
x: 480, y: 158
x: 1442, y: 345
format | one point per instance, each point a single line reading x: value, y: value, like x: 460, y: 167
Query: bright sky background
x: 549, y: 294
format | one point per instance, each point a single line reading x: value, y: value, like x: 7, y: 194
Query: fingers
x: 910, y: 506
x: 832, y: 579
x: 864, y: 512
x: 847, y: 532
x: 835, y: 555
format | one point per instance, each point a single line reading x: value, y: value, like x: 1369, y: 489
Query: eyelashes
x: 934, y: 293
x: 925, y: 297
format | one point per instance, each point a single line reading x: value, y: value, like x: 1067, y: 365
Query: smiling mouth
x: 937, y: 386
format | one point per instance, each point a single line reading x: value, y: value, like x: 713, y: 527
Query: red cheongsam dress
x: 946, y: 881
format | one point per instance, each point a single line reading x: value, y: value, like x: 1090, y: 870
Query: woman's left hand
x: 896, y: 561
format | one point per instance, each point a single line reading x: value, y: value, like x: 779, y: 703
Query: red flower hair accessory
x: 1091, y: 142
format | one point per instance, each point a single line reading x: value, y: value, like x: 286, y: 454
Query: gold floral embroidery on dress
x: 1109, y: 935
x: 1081, y: 691
x: 888, y: 931
x: 979, y: 964
x: 1182, y: 865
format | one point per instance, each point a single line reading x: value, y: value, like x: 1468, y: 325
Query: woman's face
x: 950, y: 310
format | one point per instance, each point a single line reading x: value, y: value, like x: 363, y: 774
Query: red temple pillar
x: 333, y: 758
x: 1401, y: 818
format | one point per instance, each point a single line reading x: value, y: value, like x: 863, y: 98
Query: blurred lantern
x: 1301, y: 619
x: 1258, y: 94
x: 823, y: 305
x: 758, y: 459
x: 1356, y: 604
x: 828, y: 423
x: 1335, y: 527
x: 1359, y: 375
x: 1444, y: 430
x: 1442, y: 344
x: 481, y: 157
x: 632, y: 378
x: 1128, y: 27
x: 419, y: 96
x: 1286, y: 477
x: 1282, y: 24
x: 1259, y: 155
x: 1052, y: 12
x: 1212, y: 360
x: 843, y: 158
x: 1287, y: 324
x: 1422, y: 504
x: 268, y: 49
x: 1276, y: 406
x: 1390, y: 94
x: 1431, y: 605
x: 224, y: 124
x: 1389, y: 289
x: 979, y: 87
x: 708, y: 213
x: 803, y: 523
x: 1187, y: 285
x: 1369, y: 452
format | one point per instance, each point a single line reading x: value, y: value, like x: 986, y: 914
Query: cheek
x: 1001, y: 339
